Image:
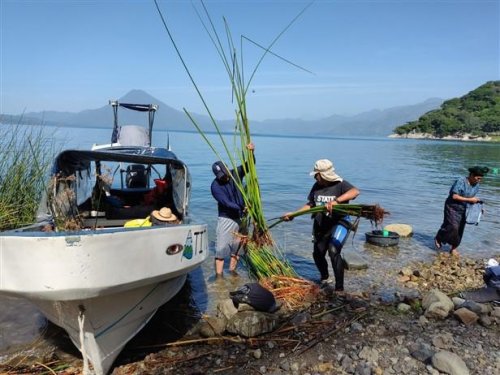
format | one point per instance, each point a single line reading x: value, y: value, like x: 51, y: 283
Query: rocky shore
x: 464, y: 137
x: 424, y: 328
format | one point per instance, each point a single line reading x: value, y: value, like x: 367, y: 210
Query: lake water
x: 408, y: 178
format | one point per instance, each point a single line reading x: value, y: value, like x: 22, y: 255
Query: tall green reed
x: 25, y: 156
x: 262, y: 251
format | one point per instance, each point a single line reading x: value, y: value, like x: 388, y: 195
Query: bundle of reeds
x: 372, y: 212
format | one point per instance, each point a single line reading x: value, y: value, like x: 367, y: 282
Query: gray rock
x: 407, y: 295
x: 403, y: 307
x: 421, y: 351
x: 244, y: 307
x: 436, y: 296
x: 252, y: 323
x: 347, y: 364
x: 363, y: 369
x: 368, y: 353
x: 432, y: 370
x: 284, y: 365
x: 485, y: 321
x: 457, y: 301
x: 422, y: 320
x: 437, y: 310
x: 357, y: 327
x: 300, y: 318
x: 212, y: 326
x: 443, y: 341
x: 449, y: 363
x: 495, y: 313
x: 437, y: 305
x: 354, y: 260
x: 226, y: 308
x: 257, y: 353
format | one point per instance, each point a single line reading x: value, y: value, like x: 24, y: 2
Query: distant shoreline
x: 465, y: 137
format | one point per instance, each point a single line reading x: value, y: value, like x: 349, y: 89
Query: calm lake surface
x: 408, y: 178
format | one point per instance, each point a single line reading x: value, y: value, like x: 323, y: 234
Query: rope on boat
x: 81, y: 321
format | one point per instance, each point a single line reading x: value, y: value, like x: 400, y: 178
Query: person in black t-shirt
x: 330, y: 230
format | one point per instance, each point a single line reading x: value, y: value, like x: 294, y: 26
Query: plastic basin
x: 377, y: 238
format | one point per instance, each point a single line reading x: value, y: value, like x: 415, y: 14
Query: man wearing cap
x: 328, y: 234
x: 231, y: 207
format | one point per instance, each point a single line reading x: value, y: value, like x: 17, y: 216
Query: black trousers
x: 322, y: 246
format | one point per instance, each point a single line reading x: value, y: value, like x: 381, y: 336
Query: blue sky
x: 72, y: 55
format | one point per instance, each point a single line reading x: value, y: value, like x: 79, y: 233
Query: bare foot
x: 437, y: 244
x: 454, y: 252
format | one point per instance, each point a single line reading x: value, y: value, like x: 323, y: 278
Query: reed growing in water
x: 25, y: 156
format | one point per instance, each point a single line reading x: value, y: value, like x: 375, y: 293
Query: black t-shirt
x: 319, y: 196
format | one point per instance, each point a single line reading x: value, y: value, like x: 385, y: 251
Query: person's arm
x: 349, y: 195
x: 287, y: 217
x: 459, y: 198
x: 310, y: 204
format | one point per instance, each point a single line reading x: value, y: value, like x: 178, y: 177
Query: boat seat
x: 136, y: 176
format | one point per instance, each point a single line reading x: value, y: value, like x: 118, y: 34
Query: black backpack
x: 256, y: 296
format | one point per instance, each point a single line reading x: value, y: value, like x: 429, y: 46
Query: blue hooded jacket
x: 230, y: 202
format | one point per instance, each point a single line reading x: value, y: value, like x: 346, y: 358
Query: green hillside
x: 477, y: 113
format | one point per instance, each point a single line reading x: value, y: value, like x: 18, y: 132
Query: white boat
x: 81, y: 267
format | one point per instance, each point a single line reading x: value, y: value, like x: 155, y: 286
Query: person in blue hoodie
x: 231, y: 209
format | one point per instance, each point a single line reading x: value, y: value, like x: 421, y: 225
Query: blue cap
x: 219, y: 169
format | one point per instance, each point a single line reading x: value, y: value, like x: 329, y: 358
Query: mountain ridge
x: 375, y: 122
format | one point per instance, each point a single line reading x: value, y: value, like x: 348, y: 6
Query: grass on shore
x: 25, y: 156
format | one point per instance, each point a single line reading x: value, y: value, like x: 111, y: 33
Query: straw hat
x: 164, y: 214
x: 325, y: 168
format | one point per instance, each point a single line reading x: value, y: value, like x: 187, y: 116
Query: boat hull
x: 101, y: 286
x: 100, y: 327
x: 87, y: 264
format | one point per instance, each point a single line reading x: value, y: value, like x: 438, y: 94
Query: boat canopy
x: 77, y: 170
x: 150, y: 108
x: 71, y: 161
